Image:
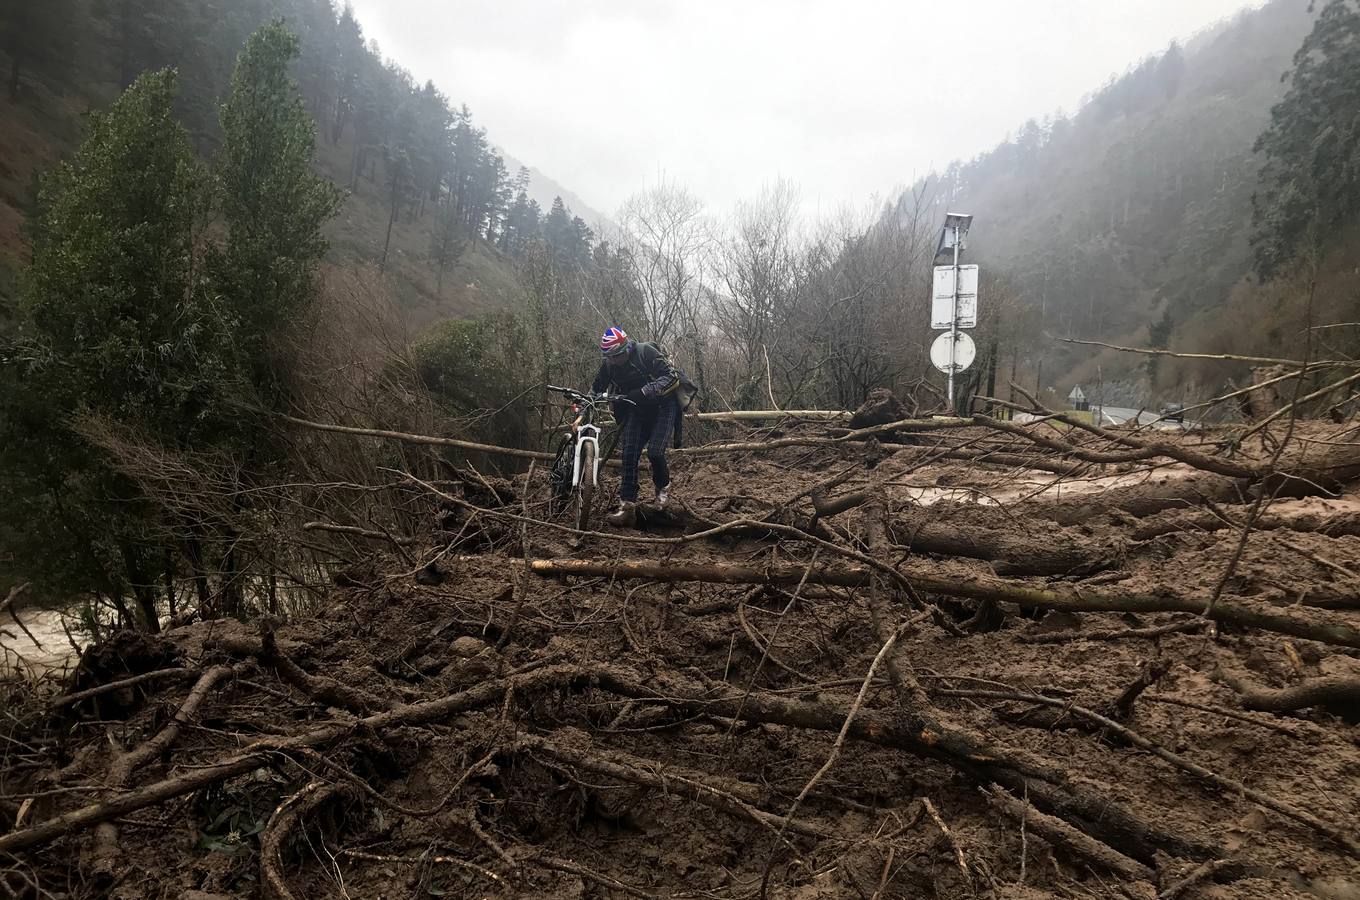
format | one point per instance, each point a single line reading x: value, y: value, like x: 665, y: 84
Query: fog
x: 847, y: 99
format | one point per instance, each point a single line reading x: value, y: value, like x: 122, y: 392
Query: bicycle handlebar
x: 574, y: 394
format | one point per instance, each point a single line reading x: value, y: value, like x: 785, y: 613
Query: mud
x: 460, y: 808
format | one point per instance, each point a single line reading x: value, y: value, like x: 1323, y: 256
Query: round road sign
x: 965, y: 351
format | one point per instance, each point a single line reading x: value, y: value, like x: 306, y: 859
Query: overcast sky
x: 847, y: 98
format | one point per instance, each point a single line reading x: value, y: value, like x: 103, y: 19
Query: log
x: 1013, y: 552
x: 1341, y: 524
x: 756, y: 415
x: 963, y: 583
x: 428, y: 440
x: 1138, y: 450
x: 727, y: 795
x: 1048, y: 786
x: 1141, y: 500
x: 1228, y: 786
x: 1223, y: 357
x: 1336, y: 691
x: 1066, y: 838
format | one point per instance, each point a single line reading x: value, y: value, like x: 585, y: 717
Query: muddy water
x: 47, y: 651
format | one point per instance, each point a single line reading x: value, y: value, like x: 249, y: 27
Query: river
x: 47, y: 651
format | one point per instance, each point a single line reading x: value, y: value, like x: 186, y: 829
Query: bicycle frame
x: 585, y: 434
x: 584, y: 429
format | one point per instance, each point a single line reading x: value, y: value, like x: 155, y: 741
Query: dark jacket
x: 648, y: 370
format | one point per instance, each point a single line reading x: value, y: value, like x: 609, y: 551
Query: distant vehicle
x: 1173, y: 412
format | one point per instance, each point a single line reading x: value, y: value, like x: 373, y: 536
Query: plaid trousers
x: 651, y: 427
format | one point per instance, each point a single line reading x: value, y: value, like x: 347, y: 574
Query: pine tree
x: 1310, y: 180
x: 35, y: 34
x: 272, y: 202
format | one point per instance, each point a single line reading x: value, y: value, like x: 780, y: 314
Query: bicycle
x: 576, y: 465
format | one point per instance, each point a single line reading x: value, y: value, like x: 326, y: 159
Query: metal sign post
x: 954, y: 321
x: 953, y: 236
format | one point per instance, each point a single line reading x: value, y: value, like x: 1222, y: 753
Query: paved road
x: 1121, y: 415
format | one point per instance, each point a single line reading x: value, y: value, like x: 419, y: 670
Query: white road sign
x: 965, y: 351
x: 942, y: 297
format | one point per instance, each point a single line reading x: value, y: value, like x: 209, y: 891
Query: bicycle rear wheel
x: 559, y: 477
x: 585, y: 493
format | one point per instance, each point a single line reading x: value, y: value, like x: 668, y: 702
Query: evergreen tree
x: 398, y: 190
x: 35, y: 34
x: 1310, y: 181
x: 272, y: 202
x: 112, y: 328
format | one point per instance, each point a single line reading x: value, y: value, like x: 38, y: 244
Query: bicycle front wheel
x: 585, y: 493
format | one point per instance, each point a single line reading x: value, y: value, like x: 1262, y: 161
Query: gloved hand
x: 636, y: 395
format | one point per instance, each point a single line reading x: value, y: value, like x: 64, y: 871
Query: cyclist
x: 643, y: 373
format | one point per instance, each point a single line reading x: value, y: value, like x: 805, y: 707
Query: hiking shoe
x: 623, y: 517
x: 662, y: 495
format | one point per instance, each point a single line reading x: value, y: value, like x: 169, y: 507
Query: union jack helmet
x: 614, y: 341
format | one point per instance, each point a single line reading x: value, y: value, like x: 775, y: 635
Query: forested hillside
x: 1131, y: 220
x: 431, y: 199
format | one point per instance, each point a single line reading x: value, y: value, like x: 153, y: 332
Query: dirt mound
x: 879, y: 408
x: 802, y: 681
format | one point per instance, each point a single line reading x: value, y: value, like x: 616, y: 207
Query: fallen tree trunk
x: 709, y: 450
x: 1015, y: 461
x: 1011, y: 552
x: 1140, y: 500
x: 1341, y: 524
x: 724, y: 794
x: 756, y: 415
x: 912, y: 730
x: 962, y: 583
x: 1334, y: 692
x: 1138, y: 450
x: 1066, y: 838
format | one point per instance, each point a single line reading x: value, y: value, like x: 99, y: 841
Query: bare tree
x: 666, y: 238
x: 760, y: 270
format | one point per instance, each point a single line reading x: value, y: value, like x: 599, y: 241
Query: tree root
x: 106, y: 852
x: 282, y: 822
x: 320, y: 688
x: 157, y: 675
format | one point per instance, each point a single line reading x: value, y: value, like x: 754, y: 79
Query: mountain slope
x: 415, y: 164
x: 1136, y: 210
